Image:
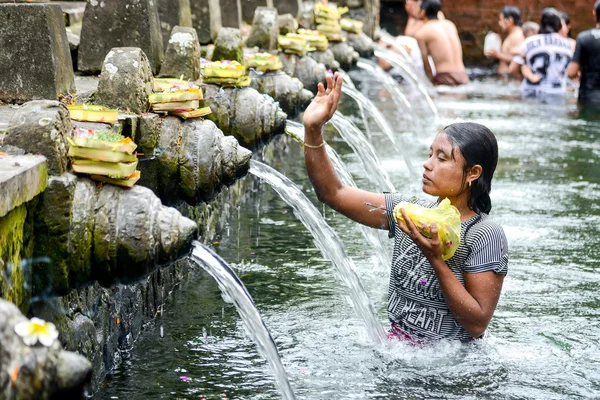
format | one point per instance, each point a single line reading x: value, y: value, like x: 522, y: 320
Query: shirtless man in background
x: 510, y: 23
x: 413, y: 24
x: 439, y: 38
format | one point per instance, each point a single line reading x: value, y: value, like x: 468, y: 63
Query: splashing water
x: 235, y: 290
x: 327, y: 241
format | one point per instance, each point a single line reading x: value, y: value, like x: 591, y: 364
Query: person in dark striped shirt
x: 428, y: 299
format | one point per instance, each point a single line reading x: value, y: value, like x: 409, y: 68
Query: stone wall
x: 475, y: 18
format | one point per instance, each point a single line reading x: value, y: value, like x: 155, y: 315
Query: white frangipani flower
x: 37, y: 329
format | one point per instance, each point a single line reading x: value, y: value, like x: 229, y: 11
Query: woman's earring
x: 469, y: 183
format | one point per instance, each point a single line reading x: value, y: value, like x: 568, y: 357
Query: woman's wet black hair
x: 431, y: 8
x: 512, y: 12
x: 597, y: 9
x: 478, y: 146
x: 551, y: 21
x: 565, y: 17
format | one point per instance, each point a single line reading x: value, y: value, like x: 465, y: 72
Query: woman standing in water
x: 428, y: 298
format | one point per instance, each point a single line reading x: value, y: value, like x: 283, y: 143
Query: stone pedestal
x: 37, y: 372
x: 249, y: 6
x: 206, y: 19
x: 229, y: 46
x: 287, y: 24
x: 173, y: 13
x: 182, y: 58
x: 35, y: 62
x: 42, y: 127
x: 231, y: 13
x: 288, y: 6
x: 123, y: 23
x: 265, y: 29
x: 126, y: 80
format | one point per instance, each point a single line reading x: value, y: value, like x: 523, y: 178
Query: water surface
x: 542, y: 342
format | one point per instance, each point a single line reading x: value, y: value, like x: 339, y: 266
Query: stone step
x: 21, y: 179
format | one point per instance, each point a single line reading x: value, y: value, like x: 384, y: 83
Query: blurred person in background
x: 510, y: 23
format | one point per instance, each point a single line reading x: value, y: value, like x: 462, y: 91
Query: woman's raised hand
x: 323, y: 106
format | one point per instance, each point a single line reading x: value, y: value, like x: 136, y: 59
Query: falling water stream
x: 327, y: 241
x: 405, y: 109
x: 397, y: 61
x: 234, y: 289
x: 367, y: 155
x: 382, y: 122
x: 297, y: 131
x: 349, y: 83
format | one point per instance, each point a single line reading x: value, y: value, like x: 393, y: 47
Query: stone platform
x: 21, y: 179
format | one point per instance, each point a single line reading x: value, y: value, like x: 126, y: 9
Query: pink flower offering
x: 185, y: 378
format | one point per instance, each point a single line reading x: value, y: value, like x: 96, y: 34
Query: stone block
x: 363, y: 44
x: 265, y: 29
x: 288, y: 6
x: 123, y: 23
x: 351, y: 3
x: 21, y: 179
x: 42, y: 127
x: 173, y: 13
x: 126, y: 80
x: 35, y: 62
x: 287, y: 24
x: 73, y: 11
x: 206, y: 19
x: 182, y: 58
x: 232, y: 16
x: 249, y: 7
x: 229, y: 46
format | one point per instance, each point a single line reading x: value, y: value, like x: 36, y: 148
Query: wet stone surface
x: 21, y: 179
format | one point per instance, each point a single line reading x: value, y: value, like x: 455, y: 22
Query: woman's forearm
x: 318, y: 166
x: 467, y: 310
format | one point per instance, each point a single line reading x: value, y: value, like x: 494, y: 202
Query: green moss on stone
x: 11, y: 246
x: 225, y: 53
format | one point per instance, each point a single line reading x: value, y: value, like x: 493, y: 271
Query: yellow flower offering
x: 36, y: 329
x: 445, y: 216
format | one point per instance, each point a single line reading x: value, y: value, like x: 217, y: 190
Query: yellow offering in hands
x: 445, y: 216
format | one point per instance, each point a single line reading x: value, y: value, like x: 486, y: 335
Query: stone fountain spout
x: 252, y: 118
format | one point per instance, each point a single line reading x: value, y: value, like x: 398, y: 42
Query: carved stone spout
x: 195, y: 159
x: 252, y: 118
x: 288, y: 91
x: 91, y: 232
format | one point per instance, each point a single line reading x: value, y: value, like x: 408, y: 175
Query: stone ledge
x: 21, y: 179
